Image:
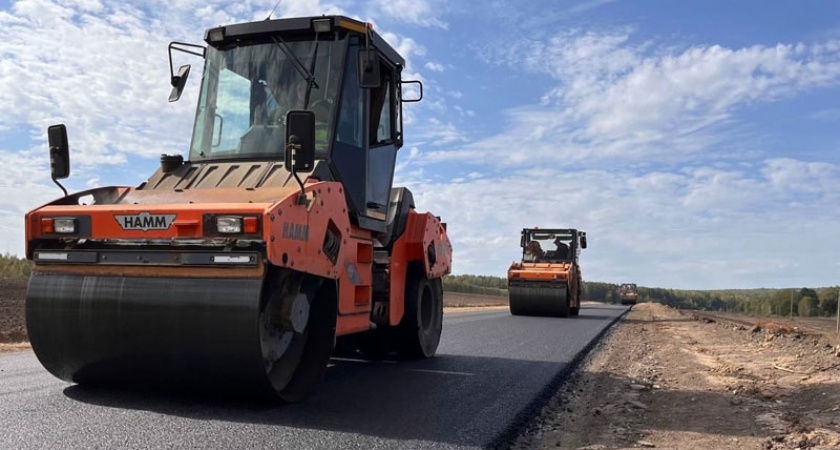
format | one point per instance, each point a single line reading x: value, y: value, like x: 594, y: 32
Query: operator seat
x: 401, y: 202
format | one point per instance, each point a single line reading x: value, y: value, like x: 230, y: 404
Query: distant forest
x: 807, y: 302
x: 810, y: 302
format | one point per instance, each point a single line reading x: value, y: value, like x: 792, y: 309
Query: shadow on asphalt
x: 592, y: 317
x: 450, y: 399
x: 446, y: 401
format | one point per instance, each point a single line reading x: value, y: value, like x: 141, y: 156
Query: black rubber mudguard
x: 113, y: 329
x: 539, y: 299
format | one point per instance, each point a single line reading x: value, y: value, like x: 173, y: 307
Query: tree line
x: 476, y: 284
x: 803, y: 302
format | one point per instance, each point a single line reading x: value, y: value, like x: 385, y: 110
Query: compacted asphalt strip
x: 490, y: 369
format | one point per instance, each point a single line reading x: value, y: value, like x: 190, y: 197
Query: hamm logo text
x: 145, y: 221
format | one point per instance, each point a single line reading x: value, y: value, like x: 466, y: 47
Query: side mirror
x: 300, y: 140
x: 368, y: 64
x: 583, y: 242
x: 178, y: 83
x: 59, y: 151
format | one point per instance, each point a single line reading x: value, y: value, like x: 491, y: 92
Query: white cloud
x: 405, y: 46
x: 464, y: 112
x: 790, y: 175
x: 435, y: 133
x: 616, y: 98
x: 418, y: 12
x: 435, y: 67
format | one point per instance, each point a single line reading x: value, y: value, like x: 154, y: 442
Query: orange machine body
x: 562, y: 272
x: 293, y: 233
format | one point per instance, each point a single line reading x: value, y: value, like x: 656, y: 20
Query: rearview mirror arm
x: 172, y: 46
x: 294, y: 145
x: 59, y: 185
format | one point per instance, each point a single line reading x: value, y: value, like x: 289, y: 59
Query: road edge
x: 508, y: 436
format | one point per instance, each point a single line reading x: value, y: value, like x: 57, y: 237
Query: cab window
x: 381, y: 109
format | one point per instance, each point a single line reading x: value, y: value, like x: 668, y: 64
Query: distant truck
x: 627, y: 293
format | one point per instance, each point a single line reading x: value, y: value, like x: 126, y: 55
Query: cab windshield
x: 247, y: 90
x: 628, y: 288
x: 548, y: 247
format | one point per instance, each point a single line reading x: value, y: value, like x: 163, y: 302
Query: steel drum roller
x: 539, y: 299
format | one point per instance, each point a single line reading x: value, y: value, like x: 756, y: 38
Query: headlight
x: 229, y: 225
x: 58, y: 225
x: 64, y: 226
x: 216, y: 34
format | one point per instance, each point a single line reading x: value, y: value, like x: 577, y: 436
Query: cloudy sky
x: 697, y: 142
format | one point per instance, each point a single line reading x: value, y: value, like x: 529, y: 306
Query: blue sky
x: 696, y: 142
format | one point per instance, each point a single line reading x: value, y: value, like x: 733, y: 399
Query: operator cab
x: 552, y: 245
x: 338, y: 69
x: 627, y: 288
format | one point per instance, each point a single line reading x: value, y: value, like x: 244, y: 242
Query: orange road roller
x: 627, y: 294
x: 241, y: 265
x: 547, y: 282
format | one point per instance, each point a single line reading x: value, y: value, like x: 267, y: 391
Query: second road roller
x: 240, y: 266
x: 547, y: 282
x: 628, y: 294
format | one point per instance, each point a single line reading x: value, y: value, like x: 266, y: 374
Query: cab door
x: 382, y: 135
x: 366, y: 141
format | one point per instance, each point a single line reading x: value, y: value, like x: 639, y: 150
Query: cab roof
x: 298, y: 25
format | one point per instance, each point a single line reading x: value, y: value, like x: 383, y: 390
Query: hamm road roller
x: 240, y: 266
x: 548, y: 281
x: 627, y: 293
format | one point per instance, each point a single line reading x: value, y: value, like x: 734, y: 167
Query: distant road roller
x: 241, y: 266
x: 627, y: 294
x: 547, y: 282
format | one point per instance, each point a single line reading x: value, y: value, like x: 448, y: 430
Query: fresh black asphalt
x: 490, y: 367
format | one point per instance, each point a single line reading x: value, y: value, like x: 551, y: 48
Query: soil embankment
x: 462, y: 300
x: 12, y: 299
x: 666, y: 379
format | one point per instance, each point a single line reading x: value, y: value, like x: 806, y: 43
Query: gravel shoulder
x: 666, y: 379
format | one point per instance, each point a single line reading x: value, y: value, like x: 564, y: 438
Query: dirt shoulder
x: 462, y: 300
x: 12, y: 319
x: 665, y: 379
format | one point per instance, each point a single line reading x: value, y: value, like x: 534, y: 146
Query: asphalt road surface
x: 489, y: 370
